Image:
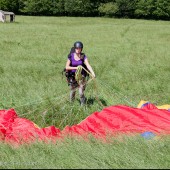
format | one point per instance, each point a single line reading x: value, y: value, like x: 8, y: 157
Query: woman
x: 76, y: 59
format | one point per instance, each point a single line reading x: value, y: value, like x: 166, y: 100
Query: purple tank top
x: 76, y: 63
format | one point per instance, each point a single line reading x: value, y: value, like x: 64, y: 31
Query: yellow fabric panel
x: 166, y: 106
x: 36, y: 126
x: 142, y: 102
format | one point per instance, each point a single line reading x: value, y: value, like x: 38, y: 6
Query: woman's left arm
x: 89, y: 67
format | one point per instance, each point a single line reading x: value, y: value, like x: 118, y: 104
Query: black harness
x: 70, y: 77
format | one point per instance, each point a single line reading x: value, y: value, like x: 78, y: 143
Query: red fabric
x: 50, y: 132
x: 111, y: 120
x: 123, y: 119
x: 6, y: 119
x: 21, y: 131
x: 25, y: 131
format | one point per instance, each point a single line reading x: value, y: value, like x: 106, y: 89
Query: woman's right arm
x: 68, y: 67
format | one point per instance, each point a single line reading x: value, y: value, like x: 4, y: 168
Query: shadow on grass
x: 91, y: 101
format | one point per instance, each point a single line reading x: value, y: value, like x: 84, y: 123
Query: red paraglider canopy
x: 118, y: 119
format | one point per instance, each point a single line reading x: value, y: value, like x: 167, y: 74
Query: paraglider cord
x: 78, y: 77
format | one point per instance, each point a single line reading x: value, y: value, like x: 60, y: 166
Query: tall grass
x: 129, y: 153
x: 131, y: 62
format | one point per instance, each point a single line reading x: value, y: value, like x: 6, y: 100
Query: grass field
x: 132, y: 153
x: 131, y: 62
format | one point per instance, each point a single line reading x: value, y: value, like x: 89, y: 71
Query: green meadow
x: 131, y: 60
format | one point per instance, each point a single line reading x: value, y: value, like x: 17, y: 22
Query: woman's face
x: 78, y: 50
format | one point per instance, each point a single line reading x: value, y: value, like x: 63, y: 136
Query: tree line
x: 146, y: 9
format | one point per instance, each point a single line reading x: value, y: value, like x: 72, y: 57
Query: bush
x: 108, y: 9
